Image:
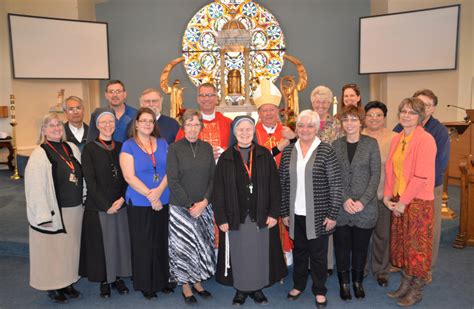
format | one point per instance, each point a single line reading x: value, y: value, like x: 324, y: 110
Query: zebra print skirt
x: 191, y: 245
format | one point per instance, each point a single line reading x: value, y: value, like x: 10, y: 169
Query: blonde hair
x: 44, y: 122
x: 321, y: 91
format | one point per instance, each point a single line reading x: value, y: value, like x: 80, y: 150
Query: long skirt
x: 54, y: 258
x: 191, y: 249
x: 105, y: 246
x: 412, y: 237
x: 149, y: 242
x: 249, y: 255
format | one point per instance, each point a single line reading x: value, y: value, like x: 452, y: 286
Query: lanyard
x: 68, y: 162
x: 247, y: 168
x: 150, y: 155
x: 112, y: 145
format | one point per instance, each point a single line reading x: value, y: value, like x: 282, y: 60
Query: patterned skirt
x: 191, y: 245
x: 411, y: 238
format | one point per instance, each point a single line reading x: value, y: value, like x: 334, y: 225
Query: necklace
x: 151, y: 155
x: 194, y: 150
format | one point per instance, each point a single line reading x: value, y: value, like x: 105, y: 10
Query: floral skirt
x: 412, y: 238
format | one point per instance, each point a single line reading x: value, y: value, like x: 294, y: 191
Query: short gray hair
x: 322, y: 91
x: 311, y: 114
x: 72, y: 98
x: 189, y: 115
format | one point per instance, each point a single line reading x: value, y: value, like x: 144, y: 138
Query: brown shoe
x: 414, y: 295
x: 429, y: 277
x: 404, y: 287
x: 394, y: 269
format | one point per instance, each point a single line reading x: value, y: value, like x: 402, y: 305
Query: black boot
x: 344, y: 289
x: 357, y: 278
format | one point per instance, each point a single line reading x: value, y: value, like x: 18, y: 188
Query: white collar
x: 158, y: 116
x: 209, y: 117
x: 270, y: 130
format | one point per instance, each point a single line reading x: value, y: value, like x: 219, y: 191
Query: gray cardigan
x: 322, y: 186
x: 360, y: 180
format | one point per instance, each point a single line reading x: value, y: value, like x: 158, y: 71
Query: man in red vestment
x: 216, y: 129
x: 274, y: 136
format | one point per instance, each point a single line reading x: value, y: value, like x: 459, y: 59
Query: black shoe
x: 120, y: 286
x: 293, y: 297
x: 189, y: 299
x: 70, y: 292
x: 321, y: 304
x: 57, y: 296
x: 358, y: 289
x: 357, y: 278
x: 203, y: 293
x: 239, y: 298
x: 149, y: 295
x: 104, y: 290
x: 167, y: 290
x: 259, y: 298
x: 330, y: 272
x: 383, y: 282
x: 344, y: 289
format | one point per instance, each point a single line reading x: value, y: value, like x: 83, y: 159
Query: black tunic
x: 105, y: 244
x: 68, y: 194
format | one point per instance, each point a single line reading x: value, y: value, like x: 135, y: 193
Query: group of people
x: 161, y: 197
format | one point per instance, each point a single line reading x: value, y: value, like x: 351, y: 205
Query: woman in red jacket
x: 409, y: 194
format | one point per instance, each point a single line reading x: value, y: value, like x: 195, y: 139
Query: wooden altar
x: 465, y: 237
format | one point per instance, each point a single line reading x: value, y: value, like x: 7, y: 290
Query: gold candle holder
x: 13, y: 123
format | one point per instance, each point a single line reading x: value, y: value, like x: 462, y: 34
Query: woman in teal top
x: 143, y: 163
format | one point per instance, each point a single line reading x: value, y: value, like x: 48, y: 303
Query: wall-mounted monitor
x: 422, y: 40
x: 54, y: 48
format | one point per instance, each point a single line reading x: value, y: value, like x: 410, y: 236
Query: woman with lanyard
x: 143, y: 163
x: 105, y: 244
x: 54, y: 191
x: 246, y: 201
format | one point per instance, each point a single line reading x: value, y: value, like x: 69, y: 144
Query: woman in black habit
x: 105, y: 243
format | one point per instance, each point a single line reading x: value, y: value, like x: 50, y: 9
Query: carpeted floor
x: 452, y: 285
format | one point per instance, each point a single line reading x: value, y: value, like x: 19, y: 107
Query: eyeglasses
x: 106, y: 123
x: 350, y: 119
x: 374, y: 115
x: 302, y: 126
x: 207, y: 95
x: 151, y: 101
x: 115, y: 91
x: 192, y: 126
x: 429, y: 105
x: 146, y: 121
x: 52, y: 126
x: 405, y: 112
x: 74, y: 109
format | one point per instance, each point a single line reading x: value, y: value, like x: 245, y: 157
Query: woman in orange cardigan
x: 409, y: 194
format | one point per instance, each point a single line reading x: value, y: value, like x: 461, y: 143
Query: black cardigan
x: 266, y: 183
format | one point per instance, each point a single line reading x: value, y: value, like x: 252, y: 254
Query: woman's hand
x: 156, y: 205
x: 400, y: 207
x: 271, y: 222
x: 154, y: 195
x: 358, y: 206
x: 286, y: 221
x: 116, y: 206
x: 196, y: 210
x: 349, y: 206
x: 224, y: 227
x: 329, y: 224
x: 388, y: 203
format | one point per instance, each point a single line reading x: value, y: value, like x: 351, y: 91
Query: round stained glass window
x: 201, y: 52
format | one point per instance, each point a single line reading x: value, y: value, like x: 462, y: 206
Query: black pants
x: 351, y: 245
x: 313, y: 250
x: 149, y: 242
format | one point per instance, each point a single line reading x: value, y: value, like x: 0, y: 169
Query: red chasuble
x: 216, y: 132
x: 269, y: 141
